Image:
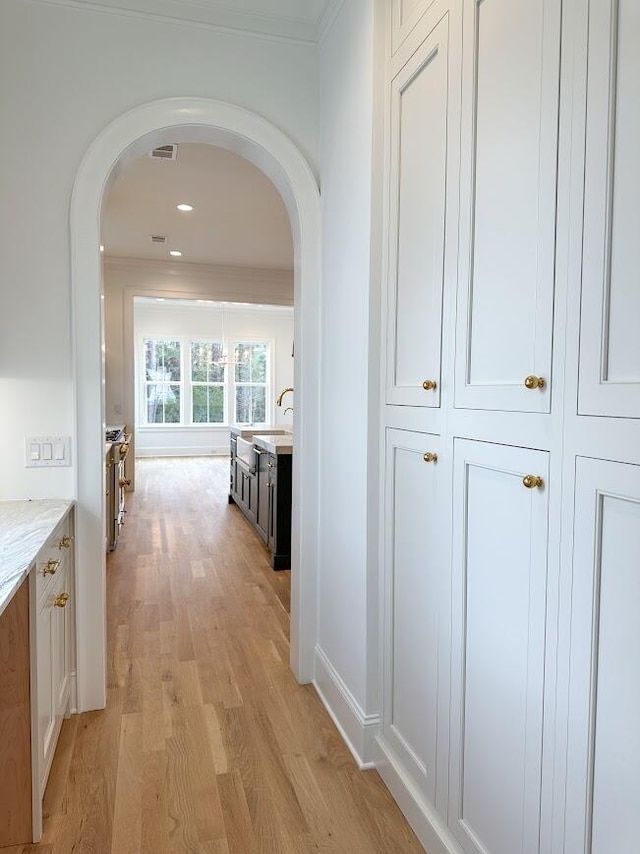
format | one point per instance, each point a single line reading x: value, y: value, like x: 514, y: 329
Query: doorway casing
x: 127, y: 137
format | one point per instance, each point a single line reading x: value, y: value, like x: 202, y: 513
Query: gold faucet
x: 281, y: 395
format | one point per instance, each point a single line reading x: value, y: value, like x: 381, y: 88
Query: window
x: 163, y: 387
x: 251, y: 383
x: 207, y: 383
x: 189, y: 382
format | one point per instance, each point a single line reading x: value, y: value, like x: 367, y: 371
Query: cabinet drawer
x: 53, y: 559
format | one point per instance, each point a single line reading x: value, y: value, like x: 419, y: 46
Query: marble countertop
x: 24, y: 528
x: 275, y: 443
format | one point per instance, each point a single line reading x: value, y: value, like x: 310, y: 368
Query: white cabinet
x: 416, y: 597
x: 421, y: 96
x: 511, y: 73
x: 500, y: 589
x: 610, y: 344
x: 52, y: 583
x: 603, y: 787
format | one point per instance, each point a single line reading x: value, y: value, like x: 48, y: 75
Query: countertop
x: 24, y: 528
x: 246, y: 431
x: 275, y: 443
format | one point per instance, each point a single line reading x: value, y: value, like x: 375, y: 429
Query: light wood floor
x: 208, y: 744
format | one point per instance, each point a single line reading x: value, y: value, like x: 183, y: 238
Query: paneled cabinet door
x: 511, y: 72
x: 610, y: 317
x: 499, y: 626
x: 418, y: 201
x: 415, y: 605
x: 405, y: 14
x: 52, y: 640
x: 603, y: 786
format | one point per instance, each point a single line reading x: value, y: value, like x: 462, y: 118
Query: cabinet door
x: 603, y: 787
x: 500, y: 584
x: 420, y: 100
x: 416, y: 569
x: 609, y: 341
x: 273, y: 503
x: 511, y: 70
x: 262, y: 493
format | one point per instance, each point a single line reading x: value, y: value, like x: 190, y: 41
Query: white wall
x: 125, y: 278
x: 65, y: 73
x: 346, y: 160
x: 248, y: 323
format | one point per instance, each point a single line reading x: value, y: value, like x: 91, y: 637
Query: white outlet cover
x: 47, y: 451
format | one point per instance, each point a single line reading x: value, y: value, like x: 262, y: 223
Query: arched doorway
x: 127, y: 137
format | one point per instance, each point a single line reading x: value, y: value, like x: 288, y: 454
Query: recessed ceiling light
x: 101, y: 248
x: 175, y: 253
x: 159, y: 299
x: 185, y: 208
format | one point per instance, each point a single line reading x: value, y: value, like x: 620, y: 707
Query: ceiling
x: 301, y: 20
x: 239, y: 218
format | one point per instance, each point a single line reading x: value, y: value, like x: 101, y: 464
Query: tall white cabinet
x: 511, y: 422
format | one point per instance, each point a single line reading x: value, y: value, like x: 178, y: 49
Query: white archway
x: 130, y: 135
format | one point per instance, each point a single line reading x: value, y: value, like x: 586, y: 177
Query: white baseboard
x: 427, y: 825
x: 358, y: 730
x: 177, y: 451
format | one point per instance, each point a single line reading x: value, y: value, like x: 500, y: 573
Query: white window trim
x: 186, y: 384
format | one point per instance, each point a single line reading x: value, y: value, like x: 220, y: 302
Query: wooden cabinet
x: 609, y: 343
x: 511, y: 74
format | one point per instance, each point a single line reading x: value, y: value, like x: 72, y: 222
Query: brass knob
x: 429, y: 457
x: 61, y: 600
x: 533, y: 481
x: 535, y: 382
x: 65, y: 542
x: 51, y: 567
x: 429, y: 385
x: 124, y: 449
x: 125, y: 481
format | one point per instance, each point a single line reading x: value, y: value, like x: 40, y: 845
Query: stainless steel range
x: 117, y: 481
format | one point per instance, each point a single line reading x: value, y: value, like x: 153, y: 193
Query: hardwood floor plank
x: 208, y: 745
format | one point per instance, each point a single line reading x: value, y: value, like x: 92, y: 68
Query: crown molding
x: 192, y: 270
x: 327, y: 18
x: 220, y: 17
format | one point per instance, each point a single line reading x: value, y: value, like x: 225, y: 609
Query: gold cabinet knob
x: 430, y: 457
x: 65, y: 542
x: 61, y: 600
x: 124, y: 449
x: 533, y: 481
x: 51, y: 567
x: 125, y: 481
x: 429, y: 385
x: 535, y: 382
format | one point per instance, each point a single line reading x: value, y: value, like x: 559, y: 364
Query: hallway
x: 208, y: 744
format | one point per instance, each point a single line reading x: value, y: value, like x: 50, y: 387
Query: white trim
x: 221, y: 19
x: 263, y: 276
x: 186, y: 451
x: 129, y: 136
x: 358, y: 730
x: 420, y: 814
x: 328, y: 17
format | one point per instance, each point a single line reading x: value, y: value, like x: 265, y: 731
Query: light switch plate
x: 47, y: 451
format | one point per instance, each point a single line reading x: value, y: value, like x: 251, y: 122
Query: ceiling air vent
x: 158, y: 238
x: 165, y: 152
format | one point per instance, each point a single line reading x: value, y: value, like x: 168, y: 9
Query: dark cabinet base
x: 263, y: 494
